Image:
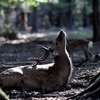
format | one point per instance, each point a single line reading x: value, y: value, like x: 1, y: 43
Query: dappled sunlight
x: 29, y: 35
x: 51, y: 34
x: 26, y: 24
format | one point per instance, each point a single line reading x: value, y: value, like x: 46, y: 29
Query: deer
x: 81, y: 44
x: 47, y: 77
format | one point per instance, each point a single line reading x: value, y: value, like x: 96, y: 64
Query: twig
x: 81, y: 63
x: 86, y: 77
x: 96, y: 60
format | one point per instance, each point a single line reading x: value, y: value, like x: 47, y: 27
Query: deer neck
x: 62, y: 60
x: 63, y: 65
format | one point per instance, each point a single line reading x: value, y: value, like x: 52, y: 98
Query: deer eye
x: 56, y: 43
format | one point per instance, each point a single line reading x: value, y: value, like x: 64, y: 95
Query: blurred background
x: 24, y: 24
x: 79, y: 18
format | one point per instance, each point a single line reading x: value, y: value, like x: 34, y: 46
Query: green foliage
x: 7, y: 32
x: 34, y: 3
x: 61, y: 5
x: 9, y: 3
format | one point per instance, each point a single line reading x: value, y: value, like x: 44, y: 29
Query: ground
x: 16, y: 52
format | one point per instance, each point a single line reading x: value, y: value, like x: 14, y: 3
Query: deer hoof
x: 68, y: 86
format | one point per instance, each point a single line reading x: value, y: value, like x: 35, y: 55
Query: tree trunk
x: 70, y: 21
x: 96, y: 31
x: 7, y: 10
x: 85, y: 20
x: 34, y: 20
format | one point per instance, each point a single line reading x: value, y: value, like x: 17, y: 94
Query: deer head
x: 59, y: 45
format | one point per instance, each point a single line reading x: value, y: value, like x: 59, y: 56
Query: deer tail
x: 90, y: 44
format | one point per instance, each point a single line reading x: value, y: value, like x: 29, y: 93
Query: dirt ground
x: 16, y: 53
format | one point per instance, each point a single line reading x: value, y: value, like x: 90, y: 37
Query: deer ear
x: 61, y: 36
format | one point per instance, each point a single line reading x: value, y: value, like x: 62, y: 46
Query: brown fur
x: 42, y: 77
x: 81, y: 44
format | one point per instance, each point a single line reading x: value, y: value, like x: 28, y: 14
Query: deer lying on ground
x: 81, y: 44
x: 48, y: 77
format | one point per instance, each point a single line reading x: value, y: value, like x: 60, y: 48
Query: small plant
x: 8, y: 32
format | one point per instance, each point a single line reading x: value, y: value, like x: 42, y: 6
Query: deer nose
x: 61, y: 31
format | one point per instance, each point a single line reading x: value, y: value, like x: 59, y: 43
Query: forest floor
x: 16, y: 52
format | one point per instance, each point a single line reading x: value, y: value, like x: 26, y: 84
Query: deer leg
x: 51, y: 86
x: 23, y: 90
x: 87, y: 54
x: 23, y: 86
x: 67, y: 86
x: 10, y: 80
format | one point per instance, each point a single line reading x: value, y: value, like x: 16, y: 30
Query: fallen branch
x: 81, y: 63
x: 93, y: 88
x: 97, y: 58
